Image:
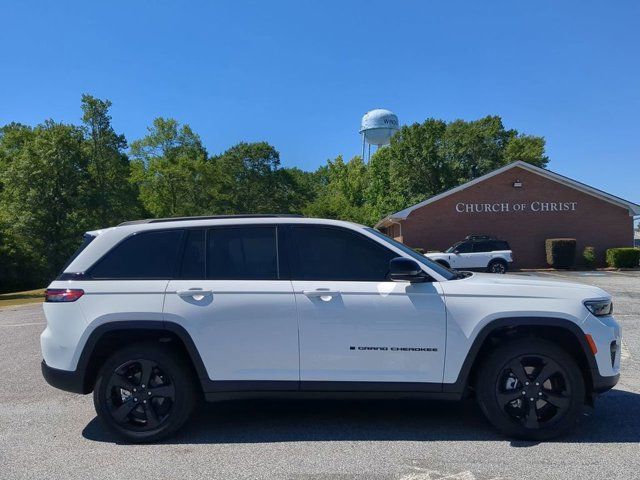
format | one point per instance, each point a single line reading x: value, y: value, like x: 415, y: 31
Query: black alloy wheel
x: 530, y: 388
x: 140, y: 395
x: 533, y: 391
x: 145, y: 392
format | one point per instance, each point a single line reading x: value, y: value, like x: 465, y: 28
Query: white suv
x: 477, y: 252
x: 152, y: 315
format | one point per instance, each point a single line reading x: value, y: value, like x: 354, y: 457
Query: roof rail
x: 480, y: 237
x: 210, y: 217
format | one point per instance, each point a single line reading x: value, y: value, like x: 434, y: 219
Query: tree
x: 43, y: 199
x: 111, y: 196
x: 344, y: 195
x: 172, y: 171
x: 251, y: 180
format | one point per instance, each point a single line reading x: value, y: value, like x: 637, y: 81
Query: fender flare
x: 462, y: 381
x: 152, y: 325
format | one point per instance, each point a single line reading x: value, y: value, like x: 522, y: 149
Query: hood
x: 522, y: 286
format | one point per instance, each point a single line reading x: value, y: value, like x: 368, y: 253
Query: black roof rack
x: 480, y: 237
x: 210, y: 217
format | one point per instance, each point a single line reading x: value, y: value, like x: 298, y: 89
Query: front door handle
x: 195, y: 293
x: 324, y: 294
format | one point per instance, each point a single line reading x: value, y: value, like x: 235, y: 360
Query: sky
x: 300, y: 74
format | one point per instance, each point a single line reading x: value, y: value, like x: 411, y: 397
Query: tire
x: 531, y: 411
x: 443, y: 263
x: 497, y: 266
x: 144, y: 392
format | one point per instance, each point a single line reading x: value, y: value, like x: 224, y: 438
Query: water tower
x: 377, y: 127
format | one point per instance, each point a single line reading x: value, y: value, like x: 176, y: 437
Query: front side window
x: 435, y: 266
x: 326, y: 253
x: 242, y: 253
x: 463, y: 247
x: 146, y: 255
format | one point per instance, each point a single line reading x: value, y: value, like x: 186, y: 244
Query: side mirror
x: 457, y: 252
x: 403, y: 269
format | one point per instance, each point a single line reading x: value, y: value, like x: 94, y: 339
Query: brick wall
x: 495, y: 207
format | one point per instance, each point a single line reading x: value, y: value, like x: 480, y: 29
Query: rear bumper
x: 602, y: 384
x: 67, y: 380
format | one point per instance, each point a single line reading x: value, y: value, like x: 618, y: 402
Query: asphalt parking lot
x: 49, y: 434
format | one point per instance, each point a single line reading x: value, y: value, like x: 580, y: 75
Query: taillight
x: 62, y: 294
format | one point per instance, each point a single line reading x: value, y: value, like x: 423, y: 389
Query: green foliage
x: 344, y: 193
x: 56, y: 182
x: 45, y: 186
x: 623, y: 257
x: 561, y: 252
x: 251, y: 180
x: 589, y: 256
x: 171, y: 170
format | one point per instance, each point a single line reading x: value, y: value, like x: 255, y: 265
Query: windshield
x: 452, y: 248
x: 436, y: 267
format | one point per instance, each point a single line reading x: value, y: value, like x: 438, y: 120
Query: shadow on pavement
x: 616, y: 418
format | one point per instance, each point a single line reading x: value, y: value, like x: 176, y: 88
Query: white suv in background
x: 476, y: 252
x: 152, y: 315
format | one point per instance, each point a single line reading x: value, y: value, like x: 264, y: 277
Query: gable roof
x: 633, y: 208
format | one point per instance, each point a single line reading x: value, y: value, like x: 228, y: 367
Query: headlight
x: 600, y: 308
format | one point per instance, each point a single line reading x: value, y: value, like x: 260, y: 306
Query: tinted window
x: 483, y: 246
x: 144, y: 255
x: 336, y: 254
x: 193, y: 259
x: 440, y: 269
x: 242, y: 253
x: 500, y: 245
x: 464, y: 247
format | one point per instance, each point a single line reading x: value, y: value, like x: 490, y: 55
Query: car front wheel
x: 531, y: 389
x: 144, y: 392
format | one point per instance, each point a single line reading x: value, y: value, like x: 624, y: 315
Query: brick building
x: 522, y: 204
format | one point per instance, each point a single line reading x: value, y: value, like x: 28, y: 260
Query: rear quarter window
x: 146, y: 255
x: 500, y: 245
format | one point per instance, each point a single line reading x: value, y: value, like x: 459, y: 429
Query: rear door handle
x: 195, y: 293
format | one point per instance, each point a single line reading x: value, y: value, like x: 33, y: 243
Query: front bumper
x: 67, y: 380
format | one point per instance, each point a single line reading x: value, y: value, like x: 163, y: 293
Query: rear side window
x: 500, y: 245
x: 338, y: 254
x: 242, y: 253
x: 483, y: 246
x: 147, y: 255
x: 192, y: 265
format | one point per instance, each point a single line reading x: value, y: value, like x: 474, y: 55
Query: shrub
x: 627, y: 257
x: 419, y: 250
x: 589, y: 255
x: 561, y: 252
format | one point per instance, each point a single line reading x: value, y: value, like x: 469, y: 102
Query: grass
x: 20, y: 298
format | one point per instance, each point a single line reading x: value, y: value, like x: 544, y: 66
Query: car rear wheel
x: 531, y: 389
x: 497, y: 266
x: 144, y: 392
